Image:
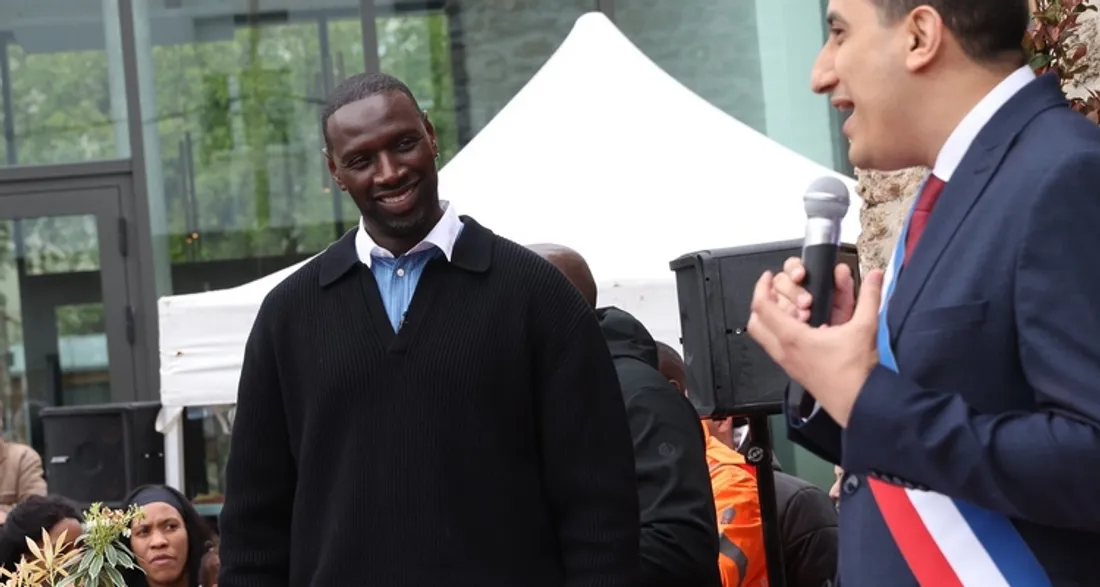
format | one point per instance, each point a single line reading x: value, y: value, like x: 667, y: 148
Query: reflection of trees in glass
x: 80, y: 319
x: 417, y: 51
x: 11, y: 396
x: 238, y: 125
x: 62, y: 106
x: 60, y: 244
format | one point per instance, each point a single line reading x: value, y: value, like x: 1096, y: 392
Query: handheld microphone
x: 826, y: 203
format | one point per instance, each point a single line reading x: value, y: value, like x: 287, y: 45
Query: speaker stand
x: 759, y: 455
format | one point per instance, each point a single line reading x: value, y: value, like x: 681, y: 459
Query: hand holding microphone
x: 815, y: 289
x: 832, y: 363
x: 797, y: 300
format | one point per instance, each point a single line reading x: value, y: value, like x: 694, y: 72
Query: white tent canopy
x: 601, y: 151
x: 606, y: 153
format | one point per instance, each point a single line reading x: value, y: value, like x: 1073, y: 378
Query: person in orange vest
x: 740, y: 525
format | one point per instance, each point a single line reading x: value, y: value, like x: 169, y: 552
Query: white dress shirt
x: 442, y: 236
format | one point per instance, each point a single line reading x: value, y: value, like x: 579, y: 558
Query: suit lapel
x: 967, y: 186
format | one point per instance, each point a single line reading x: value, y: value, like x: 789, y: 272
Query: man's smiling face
x: 862, y: 67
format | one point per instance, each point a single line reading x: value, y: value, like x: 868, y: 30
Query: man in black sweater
x: 424, y: 403
x: 679, y: 540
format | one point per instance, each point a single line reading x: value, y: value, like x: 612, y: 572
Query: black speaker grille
x: 728, y: 373
x: 102, y: 452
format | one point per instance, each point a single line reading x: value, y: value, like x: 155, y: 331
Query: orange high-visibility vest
x: 740, y: 526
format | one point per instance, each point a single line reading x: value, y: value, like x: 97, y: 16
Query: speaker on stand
x: 102, y: 452
x: 728, y: 374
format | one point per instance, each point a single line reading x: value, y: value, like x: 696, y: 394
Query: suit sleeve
x: 587, y: 459
x: 260, y: 473
x: 679, y: 541
x: 810, y: 427
x: 1009, y: 462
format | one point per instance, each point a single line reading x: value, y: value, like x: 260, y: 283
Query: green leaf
x: 96, y: 566
x: 113, y: 555
x: 85, y: 562
x: 1040, y: 61
x: 115, y: 577
x: 70, y: 580
x: 127, y: 557
x: 126, y: 549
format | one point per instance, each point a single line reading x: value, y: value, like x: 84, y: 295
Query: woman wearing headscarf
x: 170, y: 541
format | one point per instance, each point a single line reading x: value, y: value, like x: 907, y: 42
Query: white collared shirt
x: 442, y: 236
x: 960, y: 139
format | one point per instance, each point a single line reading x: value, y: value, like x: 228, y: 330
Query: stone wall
x: 887, y: 196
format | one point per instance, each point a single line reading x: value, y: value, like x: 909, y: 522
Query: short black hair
x: 989, y: 30
x: 671, y: 364
x: 27, y: 520
x: 359, y: 87
x: 666, y: 352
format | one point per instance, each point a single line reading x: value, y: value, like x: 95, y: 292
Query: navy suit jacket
x: 995, y: 323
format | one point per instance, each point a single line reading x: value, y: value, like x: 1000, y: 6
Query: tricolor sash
x: 947, y: 542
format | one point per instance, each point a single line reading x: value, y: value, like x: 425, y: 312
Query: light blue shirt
x: 398, y: 277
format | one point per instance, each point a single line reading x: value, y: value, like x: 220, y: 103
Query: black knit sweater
x: 484, y: 445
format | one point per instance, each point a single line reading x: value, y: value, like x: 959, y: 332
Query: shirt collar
x: 473, y: 251
x: 442, y: 236
x: 958, y: 143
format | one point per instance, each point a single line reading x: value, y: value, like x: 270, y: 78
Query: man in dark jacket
x: 679, y: 530
x: 807, y: 518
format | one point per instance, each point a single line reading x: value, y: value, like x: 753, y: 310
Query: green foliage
x: 102, y: 549
x: 240, y: 138
x: 1055, y: 46
x: 92, y: 560
x: 238, y: 124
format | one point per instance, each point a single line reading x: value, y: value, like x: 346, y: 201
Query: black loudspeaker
x: 102, y: 452
x: 728, y: 373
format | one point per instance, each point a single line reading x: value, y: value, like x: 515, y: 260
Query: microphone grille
x: 827, y: 197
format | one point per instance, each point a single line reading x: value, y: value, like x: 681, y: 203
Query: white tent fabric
x: 605, y: 152
x: 601, y: 151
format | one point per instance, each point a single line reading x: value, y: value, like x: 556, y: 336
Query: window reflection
x: 62, y: 88
x: 240, y: 139
x: 206, y: 433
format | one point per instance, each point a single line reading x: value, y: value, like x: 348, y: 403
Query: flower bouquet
x: 92, y: 560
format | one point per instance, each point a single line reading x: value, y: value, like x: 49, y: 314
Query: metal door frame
x: 105, y: 190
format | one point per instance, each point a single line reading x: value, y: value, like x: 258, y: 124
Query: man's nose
x: 389, y: 172
x: 823, y: 77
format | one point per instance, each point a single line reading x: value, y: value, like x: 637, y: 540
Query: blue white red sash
x: 948, y: 542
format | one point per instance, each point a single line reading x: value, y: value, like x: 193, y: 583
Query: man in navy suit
x: 965, y: 413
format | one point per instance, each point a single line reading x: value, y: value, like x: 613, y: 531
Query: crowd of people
x: 172, y: 545
x: 428, y: 403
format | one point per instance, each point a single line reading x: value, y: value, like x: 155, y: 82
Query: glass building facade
x: 158, y: 147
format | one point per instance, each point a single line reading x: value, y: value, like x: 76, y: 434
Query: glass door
x: 67, y: 326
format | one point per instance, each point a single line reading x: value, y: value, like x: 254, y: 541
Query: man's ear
x: 430, y: 130
x: 332, y: 169
x: 925, y: 37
